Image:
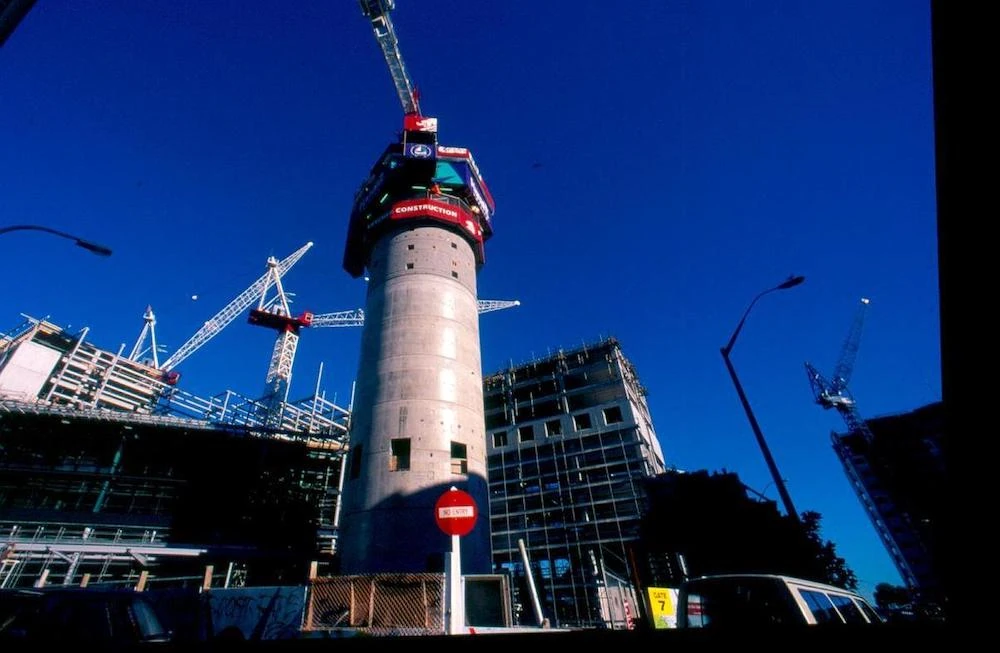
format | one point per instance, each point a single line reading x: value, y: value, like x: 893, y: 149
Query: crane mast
x: 276, y: 314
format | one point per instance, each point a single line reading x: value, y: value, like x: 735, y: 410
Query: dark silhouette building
x: 900, y: 477
x: 113, y: 494
x: 12, y: 12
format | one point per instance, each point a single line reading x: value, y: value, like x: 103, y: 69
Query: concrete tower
x: 417, y: 227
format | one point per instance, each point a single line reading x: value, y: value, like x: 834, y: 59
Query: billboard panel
x: 449, y: 174
x: 419, y: 151
x: 414, y: 123
x: 439, y: 211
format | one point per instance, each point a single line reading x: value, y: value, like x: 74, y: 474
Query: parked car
x: 98, y: 616
x: 735, y: 600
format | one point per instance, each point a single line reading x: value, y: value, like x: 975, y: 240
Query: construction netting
x: 379, y: 603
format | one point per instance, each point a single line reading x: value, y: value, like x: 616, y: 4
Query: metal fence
x: 397, y: 604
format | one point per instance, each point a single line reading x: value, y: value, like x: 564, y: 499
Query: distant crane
x: 148, y: 331
x: 211, y: 328
x: 356, y: 317
x: 834, y: 393
x: 276, y: 314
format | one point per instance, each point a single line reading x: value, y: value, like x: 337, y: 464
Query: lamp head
x: 791, y: 282
x: 100, y: 250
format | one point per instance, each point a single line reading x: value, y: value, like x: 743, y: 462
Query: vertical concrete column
x: 418, y: 401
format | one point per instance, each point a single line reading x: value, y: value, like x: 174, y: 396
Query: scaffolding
x: 66, y: 505
x: 42, y: 364
x: 570, y: 438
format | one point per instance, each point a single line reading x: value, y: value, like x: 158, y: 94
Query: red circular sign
x: 455, y: 512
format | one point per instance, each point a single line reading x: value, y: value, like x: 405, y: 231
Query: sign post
x: 455, y: 513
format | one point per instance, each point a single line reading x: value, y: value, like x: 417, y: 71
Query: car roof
x: 787, y: 579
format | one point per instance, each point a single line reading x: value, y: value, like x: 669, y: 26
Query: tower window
x: 356, y: 462
x: 613, y: 415
x: 454, y: 274
x: 399, y: 461
x: 409, y: 247
x: 459, y: 458
x: 527, y: 433
x: 409, y: 266
x: 454, y: 245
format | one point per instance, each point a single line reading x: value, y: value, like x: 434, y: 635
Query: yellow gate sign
x: 663, y: 606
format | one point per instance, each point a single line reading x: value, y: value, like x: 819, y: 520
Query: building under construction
x: 897, y: 468
x: 570, y: 442
x: 108, y: 469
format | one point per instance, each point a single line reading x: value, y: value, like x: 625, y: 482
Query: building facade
x: 114, y: 494
x: 900, y: 477
x: 108, y: 469
x: 570, y: 440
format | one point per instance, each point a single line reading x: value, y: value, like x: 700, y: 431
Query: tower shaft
x: 418, y: 424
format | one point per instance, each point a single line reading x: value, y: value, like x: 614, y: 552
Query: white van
x: 735, y: 600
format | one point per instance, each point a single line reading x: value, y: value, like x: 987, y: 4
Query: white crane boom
x: 489, y: 305
x: 377, y: 11
x: 356, y: 317
x: 353, y: 318
x: 242, y: 302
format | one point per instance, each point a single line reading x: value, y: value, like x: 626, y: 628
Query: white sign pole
x: 456, y: 595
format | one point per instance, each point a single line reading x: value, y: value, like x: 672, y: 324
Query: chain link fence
x: 380, y: 604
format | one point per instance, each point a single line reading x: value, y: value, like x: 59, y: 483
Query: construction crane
x: 148, y: 331
x: 377, y: 11
x: 276, y: 314
x: 356, y: 317
x: 834, y: 393
x: 276, y: 269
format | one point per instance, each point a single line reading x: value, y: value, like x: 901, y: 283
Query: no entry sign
x: 455, y: 512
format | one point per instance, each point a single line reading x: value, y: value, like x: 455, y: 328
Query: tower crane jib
x: 243, y: 301
x: 356, y: 317
x: 834, y: 393
x: 377, y: 11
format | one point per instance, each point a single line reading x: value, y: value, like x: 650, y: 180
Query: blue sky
x: 655, y: 165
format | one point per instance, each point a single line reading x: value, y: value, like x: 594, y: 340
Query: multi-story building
x: 108, y: 469
x: 45, y: 364
x: 900, y: 478
x: 570, y: 440
x: 112, y: 494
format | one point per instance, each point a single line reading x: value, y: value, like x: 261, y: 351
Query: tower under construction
x: 416, y: 230
x: 418, y: 227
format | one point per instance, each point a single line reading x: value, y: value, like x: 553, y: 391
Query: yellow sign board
x: 663, y: 606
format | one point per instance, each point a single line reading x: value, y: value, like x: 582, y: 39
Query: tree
x: 892, y: 597
x: 833, y: 568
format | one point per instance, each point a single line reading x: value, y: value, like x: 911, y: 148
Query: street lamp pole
x: 100, y: 250
x: 786, y: 499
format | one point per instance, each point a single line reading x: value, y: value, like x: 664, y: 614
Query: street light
x: 786, y: 499
x: 100, y: 250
